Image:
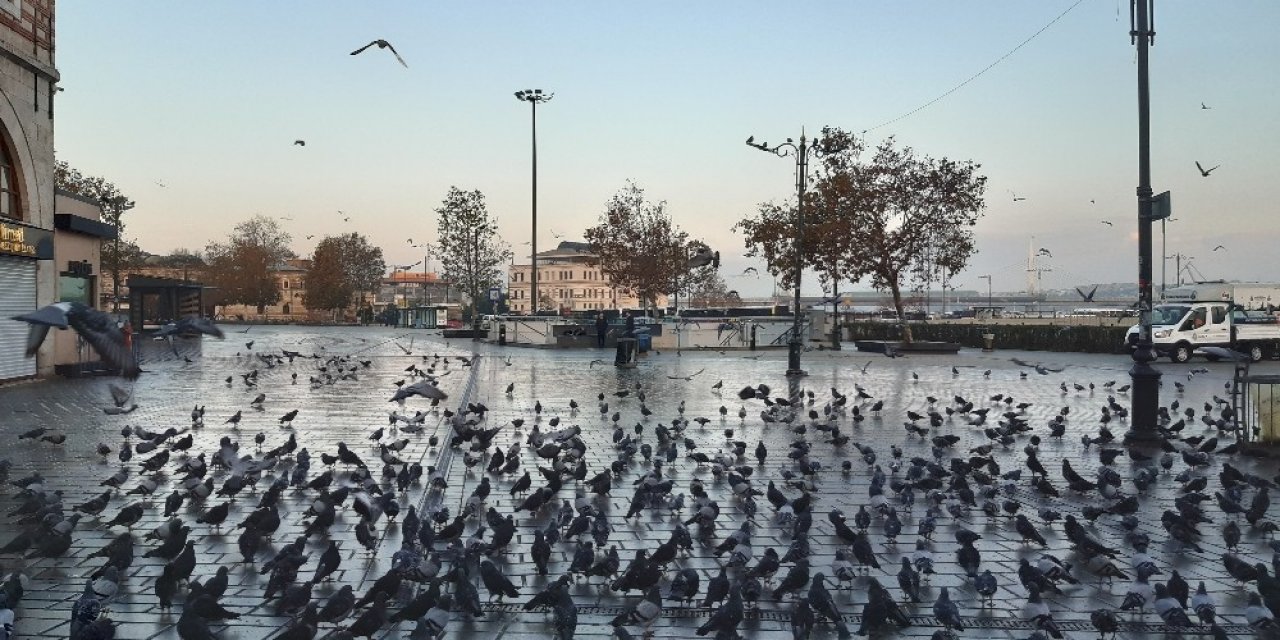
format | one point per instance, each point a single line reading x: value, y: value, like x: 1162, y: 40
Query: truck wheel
x: 1256, y: 352
x: 1180, y: 353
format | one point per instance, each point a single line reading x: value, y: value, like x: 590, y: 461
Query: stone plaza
x: 675, y: 387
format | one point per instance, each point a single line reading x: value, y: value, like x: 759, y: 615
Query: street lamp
x: 1146, y: 379
x: 801, y: 153
x: 990, y: 309
x: 534, y: 97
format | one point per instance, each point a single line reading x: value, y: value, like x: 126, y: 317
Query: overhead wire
x: 979, y: 74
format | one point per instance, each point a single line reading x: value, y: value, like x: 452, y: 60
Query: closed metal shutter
x: 17, y: 296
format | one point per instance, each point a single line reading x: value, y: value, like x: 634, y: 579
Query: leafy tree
x: 241, y: 267
x: 892, y: 218
x: 827, y: 235
x: 342, y: 266
x: 120, y: 255
x: 913, y: 214
x: 638, y: 246
x: 471, y: 253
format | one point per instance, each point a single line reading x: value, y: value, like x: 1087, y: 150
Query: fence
x: 1048, y: 337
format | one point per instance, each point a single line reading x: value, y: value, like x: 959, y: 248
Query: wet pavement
x: 350, y: 410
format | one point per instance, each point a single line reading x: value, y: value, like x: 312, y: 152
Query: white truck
x: 1237, y: 315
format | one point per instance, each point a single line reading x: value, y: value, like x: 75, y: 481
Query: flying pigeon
x: 382, y: 44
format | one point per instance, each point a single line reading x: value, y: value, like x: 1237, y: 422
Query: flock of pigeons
x: 968, y: 468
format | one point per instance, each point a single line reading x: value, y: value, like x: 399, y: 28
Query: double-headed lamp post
x: 534, y: 97
x: 801, y: 153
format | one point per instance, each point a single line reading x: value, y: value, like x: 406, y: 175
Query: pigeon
x: 382, y: 44
x: 644, y: 613
x: 96, y: 328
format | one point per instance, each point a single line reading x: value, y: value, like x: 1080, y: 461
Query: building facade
x: 77, y: 257
x: 407, y: 289
x: 568, y: 280
x: 28, y: 273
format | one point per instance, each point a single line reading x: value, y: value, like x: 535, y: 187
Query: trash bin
x: 644, y: 340
x: 988, y: 341
x: 626, y: 354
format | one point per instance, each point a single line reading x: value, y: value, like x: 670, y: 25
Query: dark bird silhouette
x: 1088, y: 297
x: 382, y: 44
x: 95, y: 327
x: 1204, y: 173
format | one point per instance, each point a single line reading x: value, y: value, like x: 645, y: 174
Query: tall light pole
x: 1146, y: 379
x: 990, y: 309
x: 534, y: 97
x: 801, y: 153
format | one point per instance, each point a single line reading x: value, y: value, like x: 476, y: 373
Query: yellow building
x: 568, y: 280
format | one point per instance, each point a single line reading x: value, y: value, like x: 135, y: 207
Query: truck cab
x: 1178, y: 329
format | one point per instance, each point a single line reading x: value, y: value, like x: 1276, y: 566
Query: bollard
x: 626, y: 353
x: 753, y: 336
x: 502, y: 334
x: 988, y: 342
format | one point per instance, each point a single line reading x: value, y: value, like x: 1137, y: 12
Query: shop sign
x: 28, y: 242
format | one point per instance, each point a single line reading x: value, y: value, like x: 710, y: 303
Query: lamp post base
x: 792, y: 373
x: 1145, y: 399
x: 793, y: 359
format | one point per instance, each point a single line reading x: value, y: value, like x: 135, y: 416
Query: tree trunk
x: 896, y: 289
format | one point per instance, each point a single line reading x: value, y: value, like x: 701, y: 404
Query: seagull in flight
x: 1205, y: 107
x: 1219, y: 247
x: 382, y: 44
x: 1108, y: 223
x: 1205, y: 172
x: 686, y: 378
x: 751, y: 270
x: 299, y: 143
x: 1044, y: 252
x: 1016, y: 198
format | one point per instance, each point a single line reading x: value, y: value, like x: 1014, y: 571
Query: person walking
x: 602, y: 328
x: 630, y: 325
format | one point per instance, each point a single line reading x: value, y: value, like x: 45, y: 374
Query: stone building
x: 28, y: 273
x: 568, y: 280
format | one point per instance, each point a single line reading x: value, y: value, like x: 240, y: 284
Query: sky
x: 192, y: 109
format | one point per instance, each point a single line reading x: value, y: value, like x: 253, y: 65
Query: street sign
x: 495, y: 294
x: 1161, y: 207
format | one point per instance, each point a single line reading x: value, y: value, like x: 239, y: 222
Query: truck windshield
x: 1168, y: 314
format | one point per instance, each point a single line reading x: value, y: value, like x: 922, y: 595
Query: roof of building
x: 411, y: 277
x: 568, y: 249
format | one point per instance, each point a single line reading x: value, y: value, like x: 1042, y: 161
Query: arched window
x: 9, y: 204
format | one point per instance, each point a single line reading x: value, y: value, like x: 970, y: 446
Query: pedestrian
x: 602, y: 328
x: 630, y: 325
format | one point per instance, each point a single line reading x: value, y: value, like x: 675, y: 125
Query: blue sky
x: 207, y: 98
